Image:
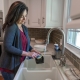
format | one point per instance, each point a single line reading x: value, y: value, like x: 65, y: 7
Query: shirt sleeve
x: 30, y: 48
x: 8, y: 41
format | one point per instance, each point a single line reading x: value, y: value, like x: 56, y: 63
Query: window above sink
x: 73, y: 37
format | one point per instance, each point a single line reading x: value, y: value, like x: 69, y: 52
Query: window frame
x: 68, y: 46
x: 75, y: 35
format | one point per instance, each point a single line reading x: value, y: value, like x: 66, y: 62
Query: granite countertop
x: 49, y: 49
x: 69, y: 70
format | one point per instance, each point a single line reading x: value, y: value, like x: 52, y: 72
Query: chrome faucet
x: 62, y: 59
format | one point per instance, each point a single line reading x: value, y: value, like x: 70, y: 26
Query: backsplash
x: 38, y: 33
x: 55, y: 37
x: 74, y: 59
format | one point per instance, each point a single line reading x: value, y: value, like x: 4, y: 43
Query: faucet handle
x: 62, y: 60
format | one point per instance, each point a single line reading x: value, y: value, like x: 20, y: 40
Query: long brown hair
x: 14, y: 13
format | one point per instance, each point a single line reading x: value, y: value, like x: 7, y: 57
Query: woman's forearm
x: 24, y: 53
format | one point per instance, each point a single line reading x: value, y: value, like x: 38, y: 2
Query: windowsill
x: 74, y: 50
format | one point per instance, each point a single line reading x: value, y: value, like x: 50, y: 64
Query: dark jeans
x: 7, y: 76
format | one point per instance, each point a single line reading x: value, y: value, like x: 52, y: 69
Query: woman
x: 16, y: 45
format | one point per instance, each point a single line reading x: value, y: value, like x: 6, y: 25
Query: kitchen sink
x: 29, y: 70
x: 30, y: 64
x: 25, y: 74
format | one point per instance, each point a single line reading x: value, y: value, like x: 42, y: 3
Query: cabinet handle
x: 0, y: 19
x: 28, y: 21
x: 43, y: 20
x: 38, y: 21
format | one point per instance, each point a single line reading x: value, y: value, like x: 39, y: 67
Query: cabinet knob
x: 0, y: 19
x: 43, y: 20
x: 38, y: 21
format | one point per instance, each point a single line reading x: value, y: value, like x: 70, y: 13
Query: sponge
x: 39, y: 59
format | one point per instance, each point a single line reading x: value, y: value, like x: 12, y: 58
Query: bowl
x: 40, y: 41
x: 40, y: 47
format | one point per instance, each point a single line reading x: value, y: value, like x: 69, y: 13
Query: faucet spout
x: 63, y: 37
x: 62, y: 58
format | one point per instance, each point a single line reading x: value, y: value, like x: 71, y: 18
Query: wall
x: 54, y: 37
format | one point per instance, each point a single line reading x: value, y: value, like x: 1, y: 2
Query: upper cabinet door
x: 35, y: 13
x: 54, y: 13
x: 1, y: 5
x: 27, y: 20
x: 75, y: 9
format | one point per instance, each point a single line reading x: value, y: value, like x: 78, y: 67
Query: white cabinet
x: 11, y: 1
x: 27, y: 4
x: 2, y: 8
x: 75, y: 9
x: 35, y: 13
x: 1, y: 5
x: 27, y: 20
x: 7, y: 4
x: 53, y: 13
x: 42, y: 13
x: 45, y: 13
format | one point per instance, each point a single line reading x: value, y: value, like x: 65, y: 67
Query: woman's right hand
x: 30, y: 54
